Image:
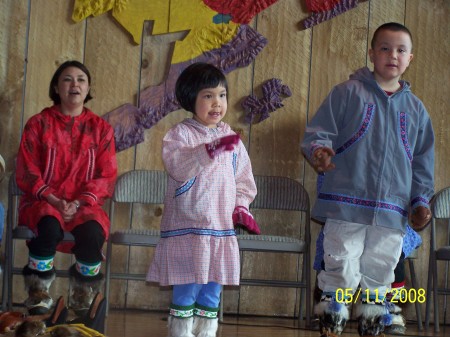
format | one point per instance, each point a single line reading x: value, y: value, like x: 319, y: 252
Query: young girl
x: 210, y: 187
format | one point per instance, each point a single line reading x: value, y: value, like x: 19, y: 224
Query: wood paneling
x: 309, y: 61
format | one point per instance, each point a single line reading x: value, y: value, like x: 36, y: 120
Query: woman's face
x: 73, y: 87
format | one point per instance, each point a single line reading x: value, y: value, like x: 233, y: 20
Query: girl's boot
x: 180, y: 327
x: 205, y: 327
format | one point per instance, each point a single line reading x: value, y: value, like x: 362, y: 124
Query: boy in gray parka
x: 372, y: 142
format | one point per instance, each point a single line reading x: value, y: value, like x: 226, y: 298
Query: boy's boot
x: 332, y: 316
x: 398, y: 326
x: 180, y: 326
x: 373, y: 318
x: 84, y: 288
x: 37, y: 284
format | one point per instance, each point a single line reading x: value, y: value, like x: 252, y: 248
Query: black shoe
x: 95, y: 317
x: 59, y: 315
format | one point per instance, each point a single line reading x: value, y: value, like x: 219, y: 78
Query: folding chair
x: 15, y: 231
x: 281, y: 194
x: 413, y: 256
x: 139, y: 186
x: 439, y: 251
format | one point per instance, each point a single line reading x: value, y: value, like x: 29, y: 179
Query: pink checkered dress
x: 198, y: 243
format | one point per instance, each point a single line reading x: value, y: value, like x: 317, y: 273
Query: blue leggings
x: 207, y: 295
x: 196, y: 299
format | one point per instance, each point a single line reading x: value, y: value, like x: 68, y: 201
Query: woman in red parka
x: 66, y: 167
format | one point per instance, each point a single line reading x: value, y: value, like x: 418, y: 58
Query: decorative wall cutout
x: 216, y: 35
x: 129, y: 121
x: 324, y: 10
x: 240, y: 11
x: 258, y: 109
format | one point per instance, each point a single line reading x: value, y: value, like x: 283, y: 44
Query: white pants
x: 356, y: 254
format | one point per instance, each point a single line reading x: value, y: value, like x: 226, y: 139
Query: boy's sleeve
x: 422, y: 187
x: 322, y: 130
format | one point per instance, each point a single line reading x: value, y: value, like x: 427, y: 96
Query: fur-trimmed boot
x: 398, y: 325
x: 333, y: 316
x: 373, y: 318
x: 84, y: 288
x: 180, y: 327
x: 205, y: 327
x: 37, y: 284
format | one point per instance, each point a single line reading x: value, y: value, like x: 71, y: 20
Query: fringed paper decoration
x: 321, y: 5
x: 129, y: 121
x: 339, y: 7
x: 240, y: 11
x: 258, y: 109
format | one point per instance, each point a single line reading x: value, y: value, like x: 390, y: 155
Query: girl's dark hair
x: 54, y: 96
x: 393, y: 26
x: 193, y: 79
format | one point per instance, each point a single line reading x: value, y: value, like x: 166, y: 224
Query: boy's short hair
x: 54, y: 96
x: 193, y: 79
x: 393, y: 26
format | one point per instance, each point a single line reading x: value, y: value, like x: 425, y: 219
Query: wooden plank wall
x: 36, y: 36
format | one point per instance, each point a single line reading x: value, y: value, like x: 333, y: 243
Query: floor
x: 132, y: 323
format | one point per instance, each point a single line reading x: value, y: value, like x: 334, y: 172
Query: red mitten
x: 219, y: 145
x: 241, y: 216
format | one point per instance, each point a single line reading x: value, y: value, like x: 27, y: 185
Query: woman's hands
x: 66, y: 208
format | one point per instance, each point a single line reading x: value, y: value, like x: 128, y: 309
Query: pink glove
x: 219, y: 145
x: 241, y: 216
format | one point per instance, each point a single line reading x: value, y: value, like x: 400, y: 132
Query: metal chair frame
x: 138, y: 186
x: 440, y: 209
x: 149, y: 187
x: 281, y: 194
x: 15, y: 231
x: 415, y: 286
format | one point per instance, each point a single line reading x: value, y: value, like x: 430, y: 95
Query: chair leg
x: 428, y: 298
x: 302, y: 292
x: 435, y: 296
x: 307, y: 262
x: 9, y: 273
x: 221, y: 307
x: 5, y: 279
x: 415, y: 287
x: 107, y: 274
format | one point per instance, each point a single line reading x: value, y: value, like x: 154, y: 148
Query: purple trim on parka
x: 362, y: 202
x: 370, y: 109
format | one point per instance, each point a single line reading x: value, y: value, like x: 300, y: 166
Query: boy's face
x: 391, y: 55
x: 211, y: 106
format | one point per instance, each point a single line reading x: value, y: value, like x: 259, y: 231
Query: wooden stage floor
x: 132, y: 323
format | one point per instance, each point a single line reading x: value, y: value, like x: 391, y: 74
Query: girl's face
x: 211, y: 106
x: 73, y: 87
x: 391, y: 55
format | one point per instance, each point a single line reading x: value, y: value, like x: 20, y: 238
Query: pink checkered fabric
x: 198, y: 243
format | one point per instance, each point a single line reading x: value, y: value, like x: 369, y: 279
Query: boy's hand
x: 219, y: 145
x: 241, y: 216
x: 420, y: 217
x: 321, y: 159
